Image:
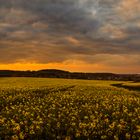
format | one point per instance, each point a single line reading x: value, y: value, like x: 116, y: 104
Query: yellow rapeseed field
x: 49, y: 109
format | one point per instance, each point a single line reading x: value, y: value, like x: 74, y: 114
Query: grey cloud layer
x: 57, y: 30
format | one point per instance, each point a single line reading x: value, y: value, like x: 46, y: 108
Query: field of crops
x: 49, y: 109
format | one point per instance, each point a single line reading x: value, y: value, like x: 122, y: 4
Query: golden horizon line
x: 71, y: 67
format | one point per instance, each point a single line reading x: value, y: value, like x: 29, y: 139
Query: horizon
x: 70, y: 71
x: 84, y: 36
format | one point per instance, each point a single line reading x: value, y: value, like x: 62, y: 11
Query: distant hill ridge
x: 54, y: 73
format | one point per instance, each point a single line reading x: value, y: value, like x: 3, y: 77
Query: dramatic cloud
x: 106, y: 32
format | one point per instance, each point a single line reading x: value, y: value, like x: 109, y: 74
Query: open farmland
x: 37, y: 108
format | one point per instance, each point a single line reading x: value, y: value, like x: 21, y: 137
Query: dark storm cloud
x: 57, y: 30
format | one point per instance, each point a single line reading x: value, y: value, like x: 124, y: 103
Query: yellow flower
x: 32, y: 132
x: 67, y: 138
x: 21, y: 135
x: 16, y: 128
x: 73, y: 124
x: 2, y: 120
x: 37, y: 127
x: 15, y: 137
x: 78, y: 134
x: 12, y: 121
x: 112, y: 125
x: 138, y: 128
x: 104, y: 137
x: 116, y: 137
x: 58, y: 124
x: 93, y: 125
x: 106, y: 120
x: 85, y: 117
x: 127, y: 135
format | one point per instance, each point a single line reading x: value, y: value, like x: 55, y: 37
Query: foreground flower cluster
x: 69, y: 112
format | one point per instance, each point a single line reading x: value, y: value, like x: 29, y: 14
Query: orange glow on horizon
x: 73, y: 67
x: 82, y: 67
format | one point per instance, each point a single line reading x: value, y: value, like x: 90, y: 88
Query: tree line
x: 54, y: 73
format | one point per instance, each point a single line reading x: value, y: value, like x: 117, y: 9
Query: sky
x: 73, y: 35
